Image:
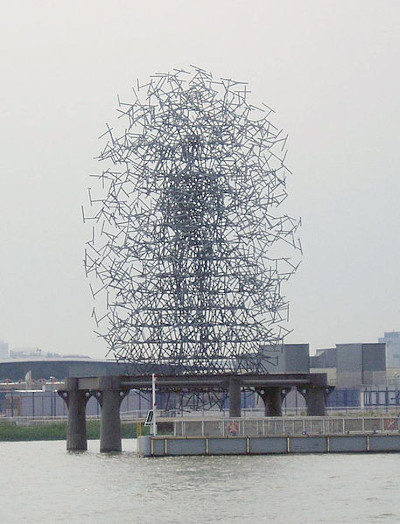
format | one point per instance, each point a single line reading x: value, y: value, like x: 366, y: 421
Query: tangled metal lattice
x: 181, y: 248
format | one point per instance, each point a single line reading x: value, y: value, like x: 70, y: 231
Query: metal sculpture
x: 182, y: 248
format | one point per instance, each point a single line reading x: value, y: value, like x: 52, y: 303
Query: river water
x: 42, y: 483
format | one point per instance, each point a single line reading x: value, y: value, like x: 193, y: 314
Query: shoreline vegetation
x: 12, y: 432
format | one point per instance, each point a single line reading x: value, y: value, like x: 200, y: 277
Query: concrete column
x: 110, y: 397
x: 316, y: 400
x: 234, y: 397
x: 272, y: 398
x: 76, y: 401
x: 273, y: 402
x: 315, y: 397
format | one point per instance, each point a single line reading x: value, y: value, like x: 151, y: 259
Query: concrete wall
x: 290, y: 358
x: 163, y: 446
x: 374, y: 378
x: 360, y: 364
x: 330, y: 374
x: 349, y: 358
x: 324, y: 358
x: 349, y: 380
x: 374, y: 357
x: 297, y: 358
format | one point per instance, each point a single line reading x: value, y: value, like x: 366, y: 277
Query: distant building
x: 288, y: 358
x: 46, y: 403
x: 325, y: 361
x: 4, y: 351
x: 26, y: 353
x: 60, y: 368
x: 392, y: 341
x: 357, y: 371
x: 352, y: 365
x: 360, y: 364
x: 324, y: 358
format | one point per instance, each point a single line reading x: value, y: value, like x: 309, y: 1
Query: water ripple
x: 56, y: 486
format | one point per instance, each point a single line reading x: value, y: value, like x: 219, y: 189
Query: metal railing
x: 285, y: 426
x: 252, y: 424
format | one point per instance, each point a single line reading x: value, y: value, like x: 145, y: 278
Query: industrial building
x: 364, y: 375
x: 4, y: 352
x: 352, y: 365
x: 392, y: 341
x: 47, y: 403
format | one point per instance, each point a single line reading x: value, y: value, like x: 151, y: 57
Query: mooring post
x: 110, y: 397
x: 234, y: 397
x: 76, y: 401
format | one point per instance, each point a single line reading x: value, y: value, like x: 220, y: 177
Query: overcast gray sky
x: 330, y: 69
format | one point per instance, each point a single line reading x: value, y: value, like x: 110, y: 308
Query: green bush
x: 10, y: 431
x: 51, y: 431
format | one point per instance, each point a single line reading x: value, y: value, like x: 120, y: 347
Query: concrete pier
x: 110, y: 397
x: 76, y: 400
x: 110, y: 391
x: 234, y: 397
x: 316, y: 402
x: 315, y: 397
x: 272, y: 398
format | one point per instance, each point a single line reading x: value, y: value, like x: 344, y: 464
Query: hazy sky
x: 330, y: 69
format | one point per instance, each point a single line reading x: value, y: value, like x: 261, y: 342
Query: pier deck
x: 266, y: 436
x: 163, y: 446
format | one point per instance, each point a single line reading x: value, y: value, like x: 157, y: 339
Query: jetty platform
x: 270, y: 436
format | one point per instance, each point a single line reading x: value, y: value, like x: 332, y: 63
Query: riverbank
x: 11, y: 432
